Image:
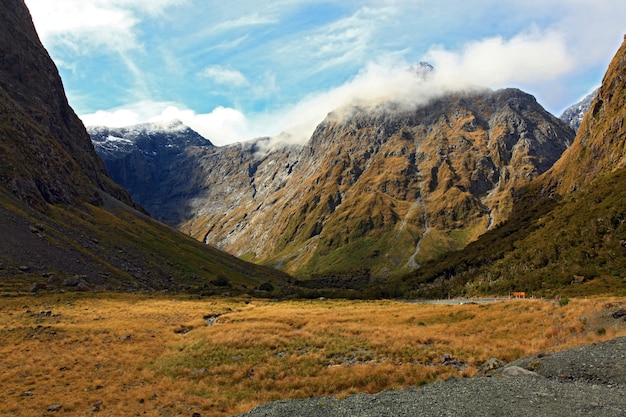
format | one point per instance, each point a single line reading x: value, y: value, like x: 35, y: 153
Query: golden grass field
x: 119, y: 354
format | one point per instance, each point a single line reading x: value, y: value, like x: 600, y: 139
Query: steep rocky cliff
x: 376, y: 189
x: 37, y: 124
x: 600, y: 145
x: 64, y: 223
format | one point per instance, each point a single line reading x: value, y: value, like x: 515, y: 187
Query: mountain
x: 600, y: 148
x: 64, y: 223
x: 146, y: 160
x: 575, y: 113
x: 567, y: 234
x: 376, y: 190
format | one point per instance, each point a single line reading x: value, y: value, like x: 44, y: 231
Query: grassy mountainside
x: 64, y: 223
x: 573, y: 246
x: 568, y: 235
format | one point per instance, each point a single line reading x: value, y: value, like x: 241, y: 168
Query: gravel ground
x: 586, y: 381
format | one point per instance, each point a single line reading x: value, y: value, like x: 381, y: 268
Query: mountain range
x: 473, y: 192
x: 376, y: 189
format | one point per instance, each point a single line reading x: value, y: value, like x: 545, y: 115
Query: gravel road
x: 585, y: 381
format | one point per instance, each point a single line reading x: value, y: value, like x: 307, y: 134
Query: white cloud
x: 87, y: 25
x: 254, y: 19
x: 224, y: 76
x: 496, y: 62
x: 222, y: 125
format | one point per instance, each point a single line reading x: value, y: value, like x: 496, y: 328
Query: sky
x: 242, y: 69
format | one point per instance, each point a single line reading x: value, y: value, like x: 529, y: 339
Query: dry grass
x: 150, y: 355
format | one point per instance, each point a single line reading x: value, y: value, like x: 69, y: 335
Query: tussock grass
x: 141, y: 354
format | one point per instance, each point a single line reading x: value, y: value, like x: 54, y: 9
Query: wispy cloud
x: 254, y: 19
x: 85, y: 26
x: 224, y: 76
x: 340, y: 42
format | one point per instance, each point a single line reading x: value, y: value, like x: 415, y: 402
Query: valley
x: 123, y: 354
x: 146, y: 271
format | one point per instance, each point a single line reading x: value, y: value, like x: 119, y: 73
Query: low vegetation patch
x: 122, y: 354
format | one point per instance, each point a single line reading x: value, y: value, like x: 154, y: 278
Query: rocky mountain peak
x: 574, y: 114
x: 147, y: 138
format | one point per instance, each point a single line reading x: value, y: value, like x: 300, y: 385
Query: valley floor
x: 130, y: 354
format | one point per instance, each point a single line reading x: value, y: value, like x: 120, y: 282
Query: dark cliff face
x: 37, y: 124
x: 151, y: 161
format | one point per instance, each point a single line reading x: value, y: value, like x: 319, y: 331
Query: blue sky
x: 241, y: 69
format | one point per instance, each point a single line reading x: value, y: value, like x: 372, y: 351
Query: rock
x: 27, y: 394
x: 71, y: 281
x: 53, y: 279
x: 125, y: 337
x: 96, y: 406
x: 448, y: 360
x: 24, y: 268
x: 38, y: 286
x: 619, y: 313
x: 516, y: 371
x: 183, y: 329
x: 210, y: 319
x: 54, y: 407
x: 491, y: 364
x: 82, y: 286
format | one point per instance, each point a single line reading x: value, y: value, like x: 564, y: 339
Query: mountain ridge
x: 358, y: 190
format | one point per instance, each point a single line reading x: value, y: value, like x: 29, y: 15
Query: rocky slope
x: 38, y: 125
x: 63, y: 221
x: 568, y: 231
x: 377, y: 189
x: 599, y: 147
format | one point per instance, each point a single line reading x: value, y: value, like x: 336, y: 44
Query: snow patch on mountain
x: 574, y: 114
